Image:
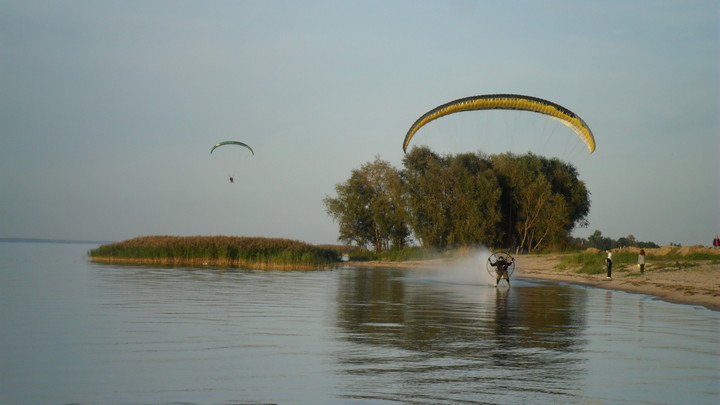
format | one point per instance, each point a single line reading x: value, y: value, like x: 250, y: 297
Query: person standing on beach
x: 716, y: 242
x: 608, y: 261
x: 641, y: 261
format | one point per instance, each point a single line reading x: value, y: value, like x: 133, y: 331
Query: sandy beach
x: 698, y: 285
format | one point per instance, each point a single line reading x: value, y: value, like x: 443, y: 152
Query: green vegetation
x: 449, y: 201
x: 669, y: 258
x: 217, y: 250
x: 261, y: 253
x: 598, y: 241
x: 586, y: 263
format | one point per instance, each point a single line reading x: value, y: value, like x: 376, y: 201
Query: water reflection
x: 420, y: 333
x: 77, y: 332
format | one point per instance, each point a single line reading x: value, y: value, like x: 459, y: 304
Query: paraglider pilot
x: 502, y: 269
x: 231, y: 179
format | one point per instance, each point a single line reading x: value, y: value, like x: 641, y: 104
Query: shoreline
x: 698, y: 286
x: 258, y: 265
x: 694, y: 286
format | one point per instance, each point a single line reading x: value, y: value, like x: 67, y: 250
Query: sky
x: 108, y: 110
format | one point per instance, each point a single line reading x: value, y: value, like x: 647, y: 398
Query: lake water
x: 76, y: 332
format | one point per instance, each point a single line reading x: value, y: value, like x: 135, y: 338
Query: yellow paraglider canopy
x: 507, y: 102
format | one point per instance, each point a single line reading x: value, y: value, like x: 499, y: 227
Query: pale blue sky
x: 108, y: 109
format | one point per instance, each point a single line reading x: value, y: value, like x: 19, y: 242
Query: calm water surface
x: 77, y: 332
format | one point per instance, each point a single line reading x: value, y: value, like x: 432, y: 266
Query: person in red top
x: 716, y: 242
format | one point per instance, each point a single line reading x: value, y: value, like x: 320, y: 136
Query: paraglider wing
x: 217, y: 145
x: 507, y: 102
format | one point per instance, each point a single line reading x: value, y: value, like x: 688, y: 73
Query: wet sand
x: 699, y: 285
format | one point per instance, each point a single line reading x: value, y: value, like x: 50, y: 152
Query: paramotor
x: 492, y: 270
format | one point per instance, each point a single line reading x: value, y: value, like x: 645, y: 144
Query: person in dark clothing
x: 502, y: 269
x: 231, y: 179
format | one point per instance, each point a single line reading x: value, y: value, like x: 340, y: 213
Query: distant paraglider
x: 217, y: 145
x: 507, y: 102
x: 230, y: 162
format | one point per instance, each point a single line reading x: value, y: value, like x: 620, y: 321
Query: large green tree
x: 370, y: 207
x: 475, y: 212
x: 429, y: 185
x: 544, y: 199
x: 522, y: 201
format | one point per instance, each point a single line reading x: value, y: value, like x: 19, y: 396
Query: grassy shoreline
x: 287, y: 254
x: 666, y: 258
x: 248, y: 252
x: 234, y: 251
x: 687, y: 275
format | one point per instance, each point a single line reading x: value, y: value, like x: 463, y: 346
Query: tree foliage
x: 444, y: 201
x: 429, y: 196
x: 369, y: 207
x: 598, y: 241
x: 476, y: 195
x: 545, y: 200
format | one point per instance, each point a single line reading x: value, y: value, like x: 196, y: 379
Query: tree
x: 452, y: 200
x: 475, y: 212
x: 526, y: 193
x: 387, y: 205
x: 566, y: 183
x: 525, y: 201
x: 551, y: 225
x: 351, y: 211
x: 627, y: 241
x: 428, y: 183
x: 370, y: 207
x: 543, y: 199
x: 598, y: 241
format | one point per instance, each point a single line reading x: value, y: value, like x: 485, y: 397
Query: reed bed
x: 254, y: 252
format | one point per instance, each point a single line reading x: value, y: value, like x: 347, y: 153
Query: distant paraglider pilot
x: 236, y: 143
x: 501, y: 266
